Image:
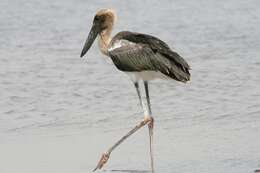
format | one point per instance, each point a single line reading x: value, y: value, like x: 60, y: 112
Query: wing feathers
x: 145, y: 52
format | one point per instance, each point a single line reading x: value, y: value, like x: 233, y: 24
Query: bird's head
x: 103, y: 23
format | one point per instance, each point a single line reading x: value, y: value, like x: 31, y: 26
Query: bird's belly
x: 146, y: 75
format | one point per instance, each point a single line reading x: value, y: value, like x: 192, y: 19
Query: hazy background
x: 58, y: 112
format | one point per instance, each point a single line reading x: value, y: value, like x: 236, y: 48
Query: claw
x: 102, y: 161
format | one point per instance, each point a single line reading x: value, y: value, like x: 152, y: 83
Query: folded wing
x: 139, y: 52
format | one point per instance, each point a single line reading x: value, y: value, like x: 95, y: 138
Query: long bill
x: 91, y: 38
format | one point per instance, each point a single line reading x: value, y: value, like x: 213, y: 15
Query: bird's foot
x: 102, y: 161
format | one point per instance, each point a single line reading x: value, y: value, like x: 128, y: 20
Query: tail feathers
x: 182, y: 76
x: 178, y: 73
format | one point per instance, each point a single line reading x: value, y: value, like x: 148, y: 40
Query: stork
x: 143, y: 57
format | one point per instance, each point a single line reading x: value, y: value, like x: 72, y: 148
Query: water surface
x: 58, y: 112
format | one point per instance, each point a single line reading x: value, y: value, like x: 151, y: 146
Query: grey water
x: 59, y: 112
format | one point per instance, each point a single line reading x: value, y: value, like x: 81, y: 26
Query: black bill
x: 91, y: 38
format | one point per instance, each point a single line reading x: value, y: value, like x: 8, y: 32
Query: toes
x: 102, y: 161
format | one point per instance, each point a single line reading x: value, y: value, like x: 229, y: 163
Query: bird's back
x: 136, y: 52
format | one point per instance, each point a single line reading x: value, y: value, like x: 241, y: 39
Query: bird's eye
x: 99, y: 19
x: 96, y: 18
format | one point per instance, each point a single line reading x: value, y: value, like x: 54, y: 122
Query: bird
x: 143, y: 58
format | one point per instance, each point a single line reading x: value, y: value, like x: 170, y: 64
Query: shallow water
x: 58, y: 112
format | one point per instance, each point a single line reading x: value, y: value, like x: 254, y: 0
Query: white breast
x: 119, y: 43
x: 146, y: 75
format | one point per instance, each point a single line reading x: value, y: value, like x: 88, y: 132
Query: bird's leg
x: 147, y: 120
x: 150, y: 124
x: 146, y: 112
x: 105, y: 156
x: 147, y: 97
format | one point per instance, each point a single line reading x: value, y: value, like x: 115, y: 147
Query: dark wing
x: 140, y: 52
x: 157, y: 45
